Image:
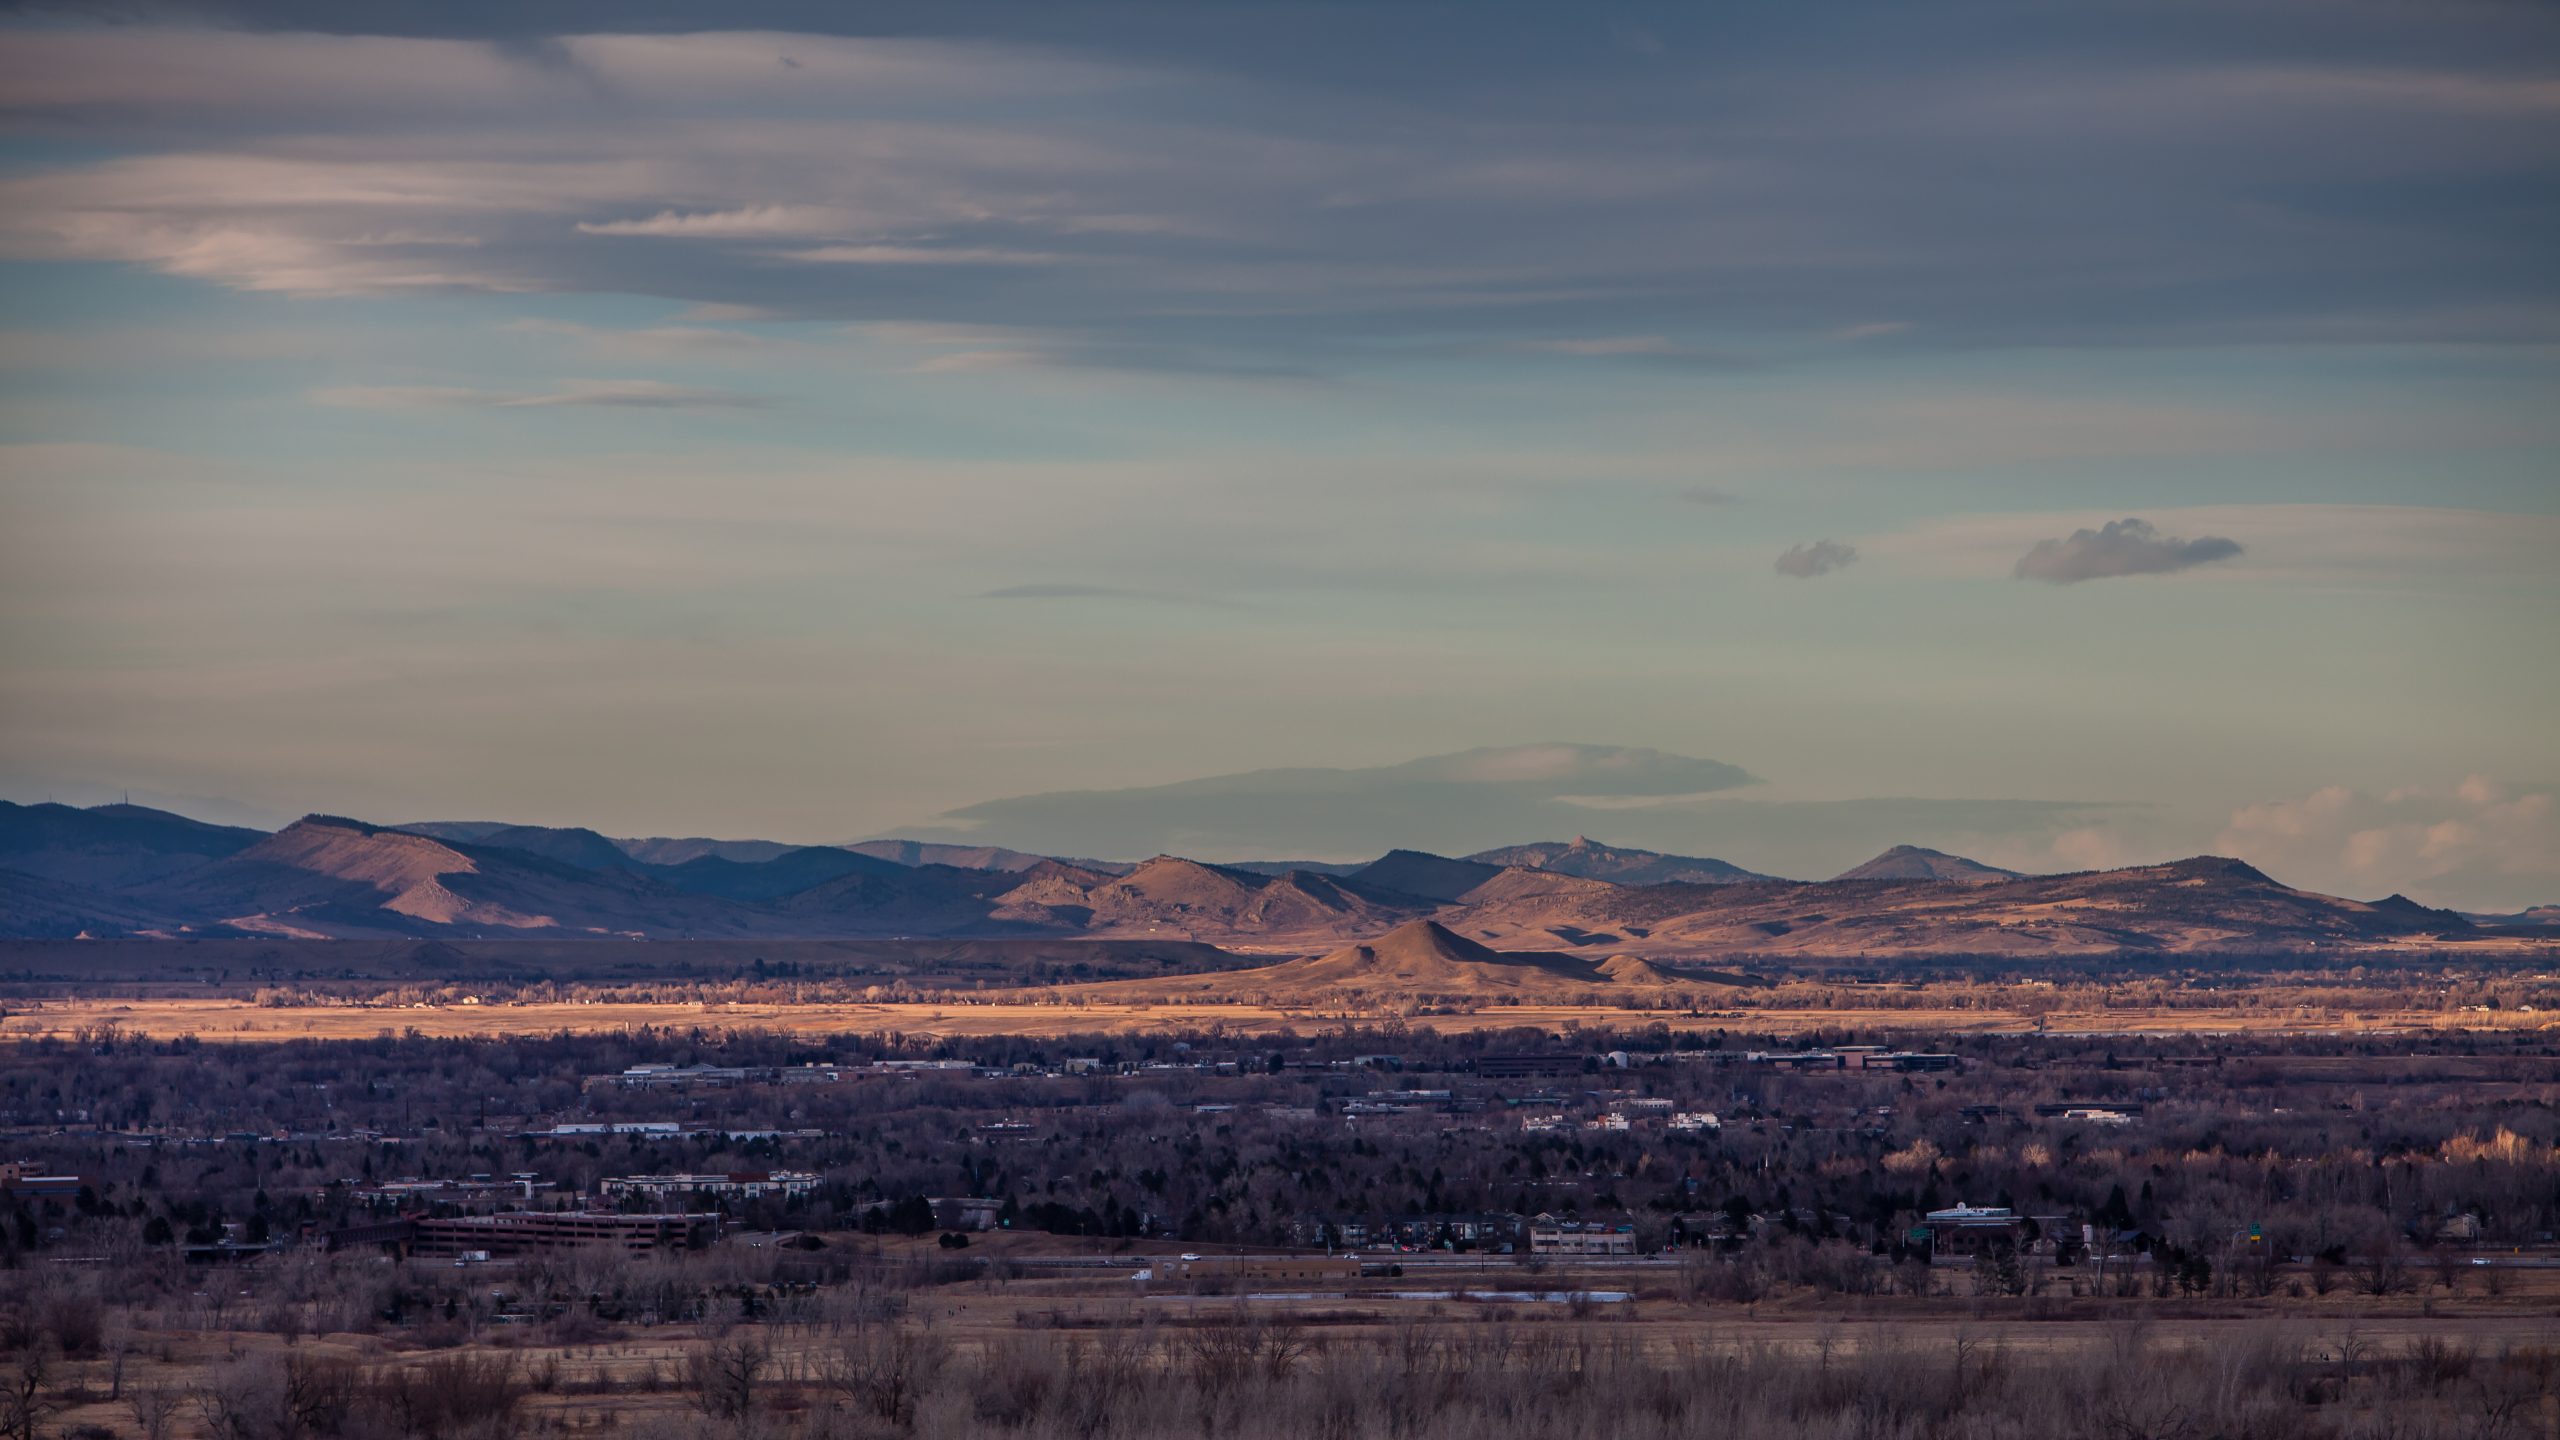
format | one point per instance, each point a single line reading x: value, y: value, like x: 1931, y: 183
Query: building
x: 1963, y: 1231
x: 1528, y: 1066
x: 2096, y: 1116
x: 2082, y: 1109
x: 1550, y: 1235
x: 735, y: 1185
x: 410, y: 1191
x: 966, y: 1212
x: 27, y: 1182
x: 715, y: 1077
x: 1911, y: 1061
x: 1795, y: 1059
x: 675, y: 1077
x: 1696, y: 1122
x: 527, y: 1232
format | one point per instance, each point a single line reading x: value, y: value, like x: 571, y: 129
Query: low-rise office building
x: 1550, y: 1235
x: 735, y: 1185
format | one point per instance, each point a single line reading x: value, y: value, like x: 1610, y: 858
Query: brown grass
x: 233, y: 1019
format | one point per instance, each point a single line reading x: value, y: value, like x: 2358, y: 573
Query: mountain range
x: 1419, y: 957
x: 122, y: 870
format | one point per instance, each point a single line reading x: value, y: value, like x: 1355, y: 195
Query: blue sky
x: 820, y: 426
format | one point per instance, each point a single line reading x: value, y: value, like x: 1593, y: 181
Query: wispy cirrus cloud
x: 1605, y: 345
x: 1728, y: 186
x: 664, y: 342
x: 748, y: 222
x: 605, y: 394
x: 887, y: 254
x: 1068, y: 592
x: 1072, y: 593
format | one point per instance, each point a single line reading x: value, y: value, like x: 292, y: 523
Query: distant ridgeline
x: 124, y: 871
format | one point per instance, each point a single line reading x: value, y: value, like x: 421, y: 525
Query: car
x: 1190, y: 1256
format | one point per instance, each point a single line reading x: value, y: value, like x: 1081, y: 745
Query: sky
x: 2086, y: 434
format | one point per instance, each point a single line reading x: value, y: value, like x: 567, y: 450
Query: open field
x: 232, y: 1019
x: 2436, y: 1365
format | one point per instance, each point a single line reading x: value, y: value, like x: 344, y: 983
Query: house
x: 966, y: 1212
x: 26, y: 1182
x: 1963, y: 1231
x: 1552, y: 1235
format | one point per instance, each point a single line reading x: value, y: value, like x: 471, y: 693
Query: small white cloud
x: 2120, y: 547
x: 1819, y: 558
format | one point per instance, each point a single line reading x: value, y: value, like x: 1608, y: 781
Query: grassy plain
x: 241, y: 1019
x: 630, y: 1379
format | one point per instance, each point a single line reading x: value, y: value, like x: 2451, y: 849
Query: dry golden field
x: 243, y: 1020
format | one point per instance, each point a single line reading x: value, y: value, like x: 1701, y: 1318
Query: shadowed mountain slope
x: 968, y: 857
x: 33, y: 907
x: 1414, y: 872
x: 788, y: 873
x: 110, y: 846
